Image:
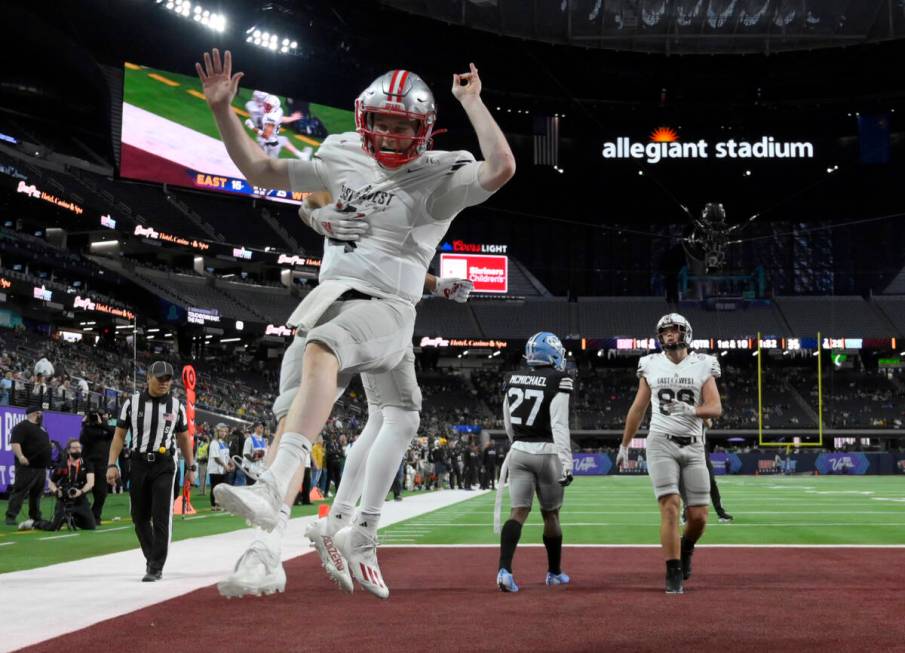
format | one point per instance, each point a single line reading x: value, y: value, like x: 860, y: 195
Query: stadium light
x: 210, y: 19
x: 272, y: 41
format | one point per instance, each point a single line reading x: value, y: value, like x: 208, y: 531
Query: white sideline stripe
x: 191, y: 564
x: 58, y: 537
x: 652, y: 546
x: 657, y: 524
x: 6, y: 543
x: 182, y: 145
x: 110, y: 530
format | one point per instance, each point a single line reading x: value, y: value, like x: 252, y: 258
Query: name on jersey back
x: 524, y: 379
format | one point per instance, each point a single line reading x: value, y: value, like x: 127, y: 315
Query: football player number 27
x: 667, y: 394
x: 517, y: 396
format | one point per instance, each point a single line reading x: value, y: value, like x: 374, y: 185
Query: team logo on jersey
x: 367, y: 194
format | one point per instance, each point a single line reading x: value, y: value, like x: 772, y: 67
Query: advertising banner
x: 488, y: 273
x: 60, y: 426
x: 590, y: 464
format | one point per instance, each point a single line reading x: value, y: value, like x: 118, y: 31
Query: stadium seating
x: 837, y: 316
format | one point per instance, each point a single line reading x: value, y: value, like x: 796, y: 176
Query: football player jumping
x: 680, y: 387
x: 361, y: 316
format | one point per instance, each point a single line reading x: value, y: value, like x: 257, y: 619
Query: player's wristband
x: 109, y: 466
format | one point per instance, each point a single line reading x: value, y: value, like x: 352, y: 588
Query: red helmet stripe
x: 401, y: 87
x: 392, y: 83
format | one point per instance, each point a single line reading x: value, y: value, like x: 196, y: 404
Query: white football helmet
x: 398, y: 93
x: 259, y: 96
x: 684, y: 326
x: 271, y: 103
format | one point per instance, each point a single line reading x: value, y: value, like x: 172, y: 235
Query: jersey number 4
x: 517, y: 396
x: 667, y: 395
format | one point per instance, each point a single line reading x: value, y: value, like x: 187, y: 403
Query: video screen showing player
x: 168, y: 135
x: 265, y: 118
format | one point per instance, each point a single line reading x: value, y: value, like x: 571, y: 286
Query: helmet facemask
x: 399, y: 94
x: 681, y: 342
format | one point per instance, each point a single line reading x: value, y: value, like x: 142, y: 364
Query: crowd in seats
x: 856, y: 399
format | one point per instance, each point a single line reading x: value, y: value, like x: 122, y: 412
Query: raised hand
x: 218, y: 82
x: 467, y: 86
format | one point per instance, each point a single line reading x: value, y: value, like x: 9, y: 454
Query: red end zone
x: 739, y: 599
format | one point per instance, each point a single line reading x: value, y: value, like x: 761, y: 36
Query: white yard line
x: 191, y: 565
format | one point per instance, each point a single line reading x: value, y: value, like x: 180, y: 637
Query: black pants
x: 334, y: 472
x: 30, y: 483
x: 81, y: 514
x: 455, y: 476
x: 99, y: 491
x: 489, y: 479
x: 304, y: 496
x: 216, y: 479
x: 714, y: 490
x: 396, y: 488
x: 152, y: 507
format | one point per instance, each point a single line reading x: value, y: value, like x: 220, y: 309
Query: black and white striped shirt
x: 154, y: 421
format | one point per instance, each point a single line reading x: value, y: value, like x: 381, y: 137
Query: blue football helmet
x: 544, y: 348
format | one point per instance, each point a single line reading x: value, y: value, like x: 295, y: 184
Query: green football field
x: 598, y: 510
x: 622, y: 510
x: 179, y: 98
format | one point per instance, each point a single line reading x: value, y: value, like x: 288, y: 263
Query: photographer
x: 95, y: 438
x: 30, y: 443
x: 69, y: 484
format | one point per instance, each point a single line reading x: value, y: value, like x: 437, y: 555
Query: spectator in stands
x: 253, y: 451
x: 44, y: 367
x: 6, y: 388
x: 317, y: 465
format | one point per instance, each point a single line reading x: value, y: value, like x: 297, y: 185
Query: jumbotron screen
x: 169, y: 134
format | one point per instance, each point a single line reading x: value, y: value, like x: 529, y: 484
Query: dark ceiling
x: 676, y: 26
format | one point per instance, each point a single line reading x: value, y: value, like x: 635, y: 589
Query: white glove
x: 335, y: 222
x: 457, y: 290
x: 565, y: 477
x: 678, y: 408
x: 250, y: 124
x: 621, y: 457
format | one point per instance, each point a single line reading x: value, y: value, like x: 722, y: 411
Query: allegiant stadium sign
x: 667, y: 146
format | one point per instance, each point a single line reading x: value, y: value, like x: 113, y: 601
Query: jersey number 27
x: 517, y: 396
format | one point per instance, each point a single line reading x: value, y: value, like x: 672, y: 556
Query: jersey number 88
x: 668, y: 394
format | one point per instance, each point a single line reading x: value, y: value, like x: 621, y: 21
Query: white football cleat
x: 331, y: 559
x: 360, y: 551
x: 259, y: 504
x: 257, y: 572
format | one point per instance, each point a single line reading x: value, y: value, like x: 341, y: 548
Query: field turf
x: 808, y: 510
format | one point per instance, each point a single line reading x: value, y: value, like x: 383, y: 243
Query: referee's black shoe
x: 674, y: 583
x: 152, y: 576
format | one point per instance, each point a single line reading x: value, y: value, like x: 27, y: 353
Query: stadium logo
x: 241, y: 252
x: 434, y: 342
x: 277, y: 330
x: 585, y: 464
x: 472, y: 248
x: 147, y: 232
x: 107, y: 221
x: 5, y: 283
x: 83, y: 302
x: 664, y: 135
x: 202, y: 315
x: 664, y: 144
x: 42, y: 293
x: 30, y: 190
x: 298, y: 260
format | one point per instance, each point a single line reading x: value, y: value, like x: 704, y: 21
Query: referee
x: 158, y: 423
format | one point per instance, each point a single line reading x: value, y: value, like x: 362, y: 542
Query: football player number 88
x: 517, y: 396
x: 666, y: 395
